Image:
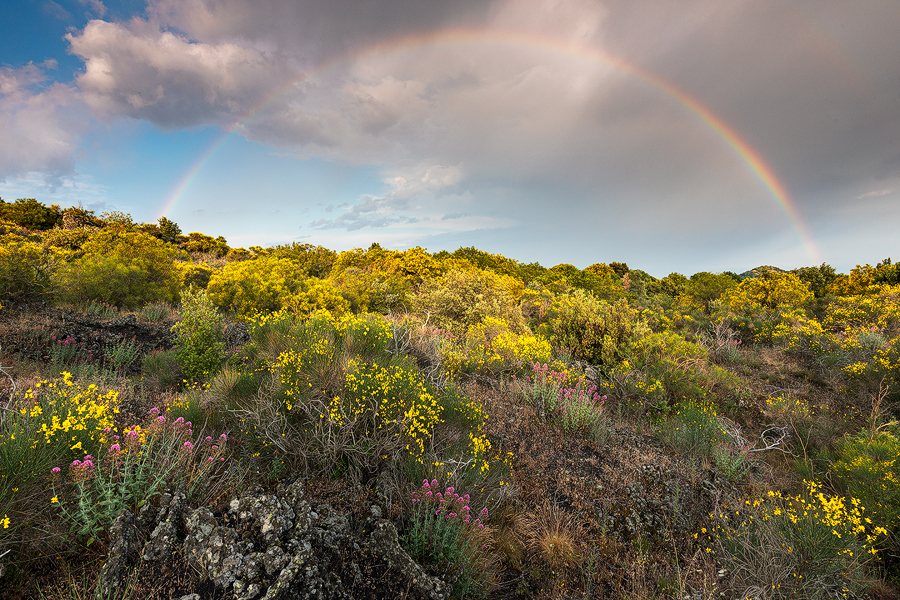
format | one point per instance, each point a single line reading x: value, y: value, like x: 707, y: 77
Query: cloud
x: 875, y: 193
x: 39, y: 124
x: 643, y: 120
x: 139, y: 71
x: 95, y: 6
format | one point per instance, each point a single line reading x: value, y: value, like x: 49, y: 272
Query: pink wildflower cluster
x: 579, y: 394
x: 82, y: 470
x: 544, y: 375
x: 448, y: 504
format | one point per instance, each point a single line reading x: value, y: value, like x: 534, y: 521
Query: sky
x: 698, y: 135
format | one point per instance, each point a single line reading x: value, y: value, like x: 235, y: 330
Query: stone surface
x: 274, y: 546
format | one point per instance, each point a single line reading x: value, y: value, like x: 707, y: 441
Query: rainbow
x: 461, y: 36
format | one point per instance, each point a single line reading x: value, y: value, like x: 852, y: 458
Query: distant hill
x: 758, y: 272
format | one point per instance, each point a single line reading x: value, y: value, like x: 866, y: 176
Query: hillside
x: 182, y: 417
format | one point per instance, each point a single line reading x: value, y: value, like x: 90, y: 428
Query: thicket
x: 782, y: 384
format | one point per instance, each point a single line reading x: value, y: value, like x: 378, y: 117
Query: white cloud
x: 39, y: 124
x: 139, y: 71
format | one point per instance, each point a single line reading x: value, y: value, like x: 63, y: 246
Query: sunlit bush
x: 491, y: 347
x: 125, y: 268
x: 462, y: 299
x: 268, y: 284
x: 26, y: 269
x: 199, y: 336
x: 593, y: 330
x: 758, y: 303
x: 867, y: 466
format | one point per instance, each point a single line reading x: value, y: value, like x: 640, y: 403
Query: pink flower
x: 54, y: 470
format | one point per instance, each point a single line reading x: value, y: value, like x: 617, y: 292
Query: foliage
x: 810, y: 545
x: 866, y: 466
x: 192, y: 275
x: 30, y: 214
x: 444, y: 532
x: 315, y: 261
x: 200, y: 338
x: 758, y: 303
x: 593, y: 330
x: 693, y: 428
x: 461, y: 299
x: 200, y: 243
x: 269, y: 284
x: 491, y: 347
x: 123, y: 267
x: 26, y: 269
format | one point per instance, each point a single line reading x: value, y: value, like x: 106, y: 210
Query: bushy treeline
x: 354, y: 359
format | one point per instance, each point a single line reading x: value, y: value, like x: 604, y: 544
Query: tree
x: 168, y: 230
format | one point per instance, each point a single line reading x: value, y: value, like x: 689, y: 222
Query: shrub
x: 444, y: 532
x: 491, y: 347
x: 268, y: 284
x: 810, y: 545
x: 122, y: 267
x: 758, y: 303
x: 26, y: 269
x: 593, y: 330
x: 196, y: 242
x: 866, y: 466
x: 462, y: 299
x: 31, y: 214
x: 191, y: 275
x: 200, y: 339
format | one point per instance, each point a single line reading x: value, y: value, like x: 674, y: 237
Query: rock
x: 276, y: 547
x: 128, y: 320
x: 164, y: 538
x: 123, y: 553
x: 236, y: 336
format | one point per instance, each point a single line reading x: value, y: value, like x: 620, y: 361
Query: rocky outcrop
x: 270, y: 546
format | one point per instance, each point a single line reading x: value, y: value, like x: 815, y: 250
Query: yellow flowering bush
x: 491, y: 347
x: 810, y: 545
x: 123, y: 268
x: 757, y: 304
x: 867, y: 466
x: 26, y: 269
x: 592, y: 330
x: 879, y: 308
x: 55, y: 420
x: 803, y: 336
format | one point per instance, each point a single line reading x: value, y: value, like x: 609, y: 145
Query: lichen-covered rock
x: 123, y: 553
x: 164, y: 537
x: 282, y: 547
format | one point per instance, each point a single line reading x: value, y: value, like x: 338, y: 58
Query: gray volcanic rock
x: 272, y: 546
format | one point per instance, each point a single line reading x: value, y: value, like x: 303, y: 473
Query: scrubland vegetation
x: 533, y: 432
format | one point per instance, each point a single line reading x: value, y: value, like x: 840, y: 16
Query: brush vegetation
x: 615, y: 434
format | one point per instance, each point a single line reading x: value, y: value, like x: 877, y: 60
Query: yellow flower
x: 5, y: 521
x: 54, y: 500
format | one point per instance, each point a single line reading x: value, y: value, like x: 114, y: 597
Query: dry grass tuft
x: 551, y: 535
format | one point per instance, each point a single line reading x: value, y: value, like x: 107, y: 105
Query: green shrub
x: 594, y: 330
x: 867, y: 466
x: 123, y: 268
x: 31, y: 214
x: 758, y: 303
x: 26, y: 269
x: 463, y: 299
x: 200, y: 338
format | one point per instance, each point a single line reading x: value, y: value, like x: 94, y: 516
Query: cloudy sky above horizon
x: 675, y: 136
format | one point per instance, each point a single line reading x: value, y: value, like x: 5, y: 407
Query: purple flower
x: 54, y: 470
x: 208, y: 438
x: 178, y: 421
x: 115, y: 448
x: 187, y: 446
